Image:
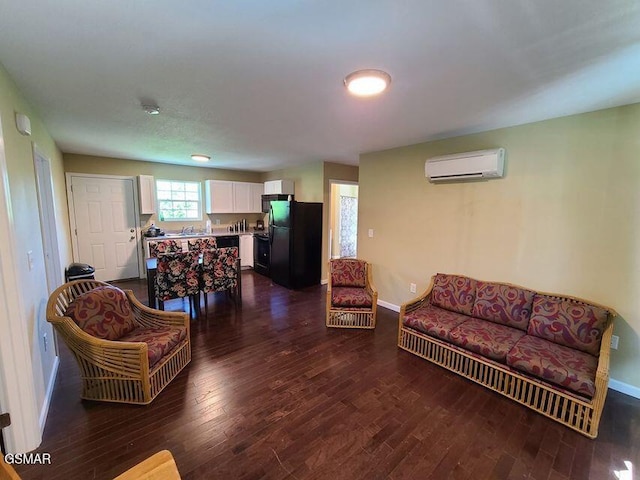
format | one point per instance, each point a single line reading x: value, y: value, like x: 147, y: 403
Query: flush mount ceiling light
x: 151, y: 109
x: 200, y: 158
x: 367, y: 83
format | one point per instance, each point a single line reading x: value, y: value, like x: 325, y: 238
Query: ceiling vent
x: 466, y: 166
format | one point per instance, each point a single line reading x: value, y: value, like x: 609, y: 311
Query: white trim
x: 390, y: 306
x: 625, y: 388
x: 44, y: 411
x: 17, y: 389
x: 324, y: 281
x: 136, y: 214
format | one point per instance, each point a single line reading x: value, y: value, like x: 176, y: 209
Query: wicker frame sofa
x: 126, y: 351
x: 546, y: 351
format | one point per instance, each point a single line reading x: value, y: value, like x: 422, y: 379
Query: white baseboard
x: 625, y: 388
x: 390, y: 306
x: 44, y: 411
x: 324, y: 281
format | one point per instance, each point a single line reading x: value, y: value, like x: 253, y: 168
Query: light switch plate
x: 614, y: 341
x: 371, y: 233
x: 30, y: 259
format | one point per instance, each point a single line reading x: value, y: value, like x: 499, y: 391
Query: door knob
x: 132, y: 230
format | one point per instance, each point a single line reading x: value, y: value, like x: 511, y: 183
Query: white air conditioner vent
x: 464, y: 166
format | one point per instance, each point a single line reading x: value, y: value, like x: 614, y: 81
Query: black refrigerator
x: 295, y: 235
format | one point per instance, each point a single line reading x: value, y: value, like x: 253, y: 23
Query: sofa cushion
x: 348, y: 273
x: 453, y: 292
x: 433, y: 321
x: 350, y: 297
x: 103, y: 312
x: 568, y: 322
x: 488, y: 339
x: 564, y: 366
x: 159, y: 340
x: 503, y: 304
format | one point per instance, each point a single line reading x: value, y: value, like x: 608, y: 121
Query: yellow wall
x: 307, y: 178
x: 116, y: 166
x: 26, y: 222
x: 565, y: 219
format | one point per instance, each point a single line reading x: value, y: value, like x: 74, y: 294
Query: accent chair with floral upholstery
x: 351, y: 297
x: 548, y: 352
x: 221, y: 273
x: 126, y: 351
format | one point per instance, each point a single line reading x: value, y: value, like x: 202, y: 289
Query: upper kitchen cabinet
x: 257, y: 190
x: 147, y: 193
x: 241, y: 197
x: 278, y: 186
x: 218, y: 196
x: 232, y: 197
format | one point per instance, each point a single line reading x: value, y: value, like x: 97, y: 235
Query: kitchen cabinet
x: 257, y: 189
x: 218, y: 196
x: 246, y: 250
x: 279, y: 186
x: 147, y: 194
x: 241, y: 197
x: 223, y: 196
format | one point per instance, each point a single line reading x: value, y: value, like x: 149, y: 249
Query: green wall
x: 26, y: 223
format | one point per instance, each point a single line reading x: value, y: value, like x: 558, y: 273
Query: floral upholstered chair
x: 351, y: 297
x: 126, y: 351
x: 221, y: 272
x: 161, y: 247
x: 201, y: 244
x: 178, y: 276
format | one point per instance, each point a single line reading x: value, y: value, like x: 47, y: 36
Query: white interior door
x: 48, y: 220
x: 105, y: 223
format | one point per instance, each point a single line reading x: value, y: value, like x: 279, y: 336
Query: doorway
x: 105, y: 225
x: 343, y: 221
x: 44, y: 189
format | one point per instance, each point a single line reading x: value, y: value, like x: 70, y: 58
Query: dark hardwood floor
x: 272, y: 393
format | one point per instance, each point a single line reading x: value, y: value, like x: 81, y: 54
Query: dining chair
x: 178, y: 276
x: 201, y: 244
x: 221, y: 273
x: 162, y: 247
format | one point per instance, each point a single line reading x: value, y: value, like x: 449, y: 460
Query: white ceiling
x: 257, y: 84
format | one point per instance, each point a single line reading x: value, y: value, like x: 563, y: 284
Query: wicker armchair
x: 351, y: 297
x: 124, y: 370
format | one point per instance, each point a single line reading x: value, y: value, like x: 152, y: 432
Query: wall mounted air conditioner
x: 465, y: 166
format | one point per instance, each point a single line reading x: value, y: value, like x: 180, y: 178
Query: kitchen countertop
x: 215, y: 233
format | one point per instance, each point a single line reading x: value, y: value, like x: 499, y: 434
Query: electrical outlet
x: 412, y: 287
x: 371, y: 233
x: 614, y: 341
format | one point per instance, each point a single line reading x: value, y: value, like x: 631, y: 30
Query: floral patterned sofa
x: 546, y: 351
x: 126, y: 351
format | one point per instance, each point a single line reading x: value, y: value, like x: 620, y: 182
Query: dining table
x: 152, y: 266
